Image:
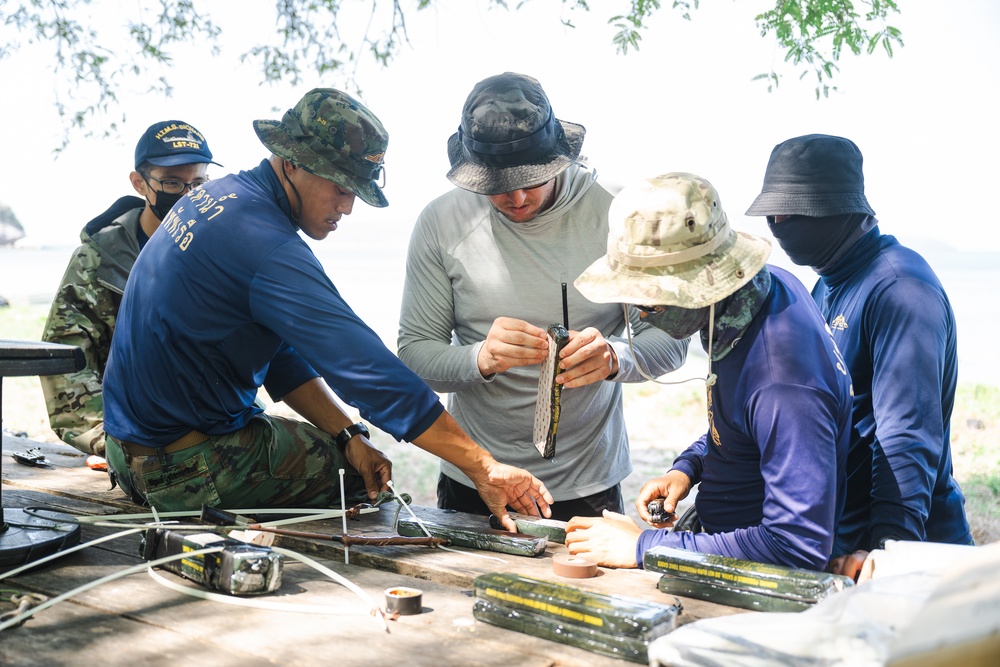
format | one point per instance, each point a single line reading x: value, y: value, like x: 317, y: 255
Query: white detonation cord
x: 709, y: 380
x: 343, y: 503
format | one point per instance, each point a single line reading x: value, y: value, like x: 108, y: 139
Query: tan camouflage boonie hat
x: 670, y: 244
x: 331, y: 135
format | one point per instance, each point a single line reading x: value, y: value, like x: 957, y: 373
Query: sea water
x: 367, y: 264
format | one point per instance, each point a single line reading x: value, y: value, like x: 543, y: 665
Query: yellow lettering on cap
x: 168, y: 128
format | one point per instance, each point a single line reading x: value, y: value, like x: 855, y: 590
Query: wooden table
x: 136, y: 621
x: 22, y: 536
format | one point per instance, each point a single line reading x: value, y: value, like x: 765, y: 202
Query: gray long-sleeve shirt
x: 468, y: 265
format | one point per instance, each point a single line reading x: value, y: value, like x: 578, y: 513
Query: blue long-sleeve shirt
x: 892, y: 320
x: 771, y: 468
x: 226, y: 297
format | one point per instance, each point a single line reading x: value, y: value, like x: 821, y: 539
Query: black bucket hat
x: 509, y: 138
x: 816, y: 175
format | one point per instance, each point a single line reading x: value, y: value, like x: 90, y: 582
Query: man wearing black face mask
x: 171, y: 158
x: 893, y: 323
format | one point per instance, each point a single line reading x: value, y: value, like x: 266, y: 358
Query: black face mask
x: 679, y: 323
x: 164, y: 202
x: 818, y: 242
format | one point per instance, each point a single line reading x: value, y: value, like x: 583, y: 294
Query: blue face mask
x: 818, y: 242
x: 679, y: 323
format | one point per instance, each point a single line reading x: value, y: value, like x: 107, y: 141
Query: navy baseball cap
x: 172, y: 142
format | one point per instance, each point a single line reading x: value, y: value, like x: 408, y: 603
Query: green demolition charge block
x: 611, y: 625
x: 740, y: 583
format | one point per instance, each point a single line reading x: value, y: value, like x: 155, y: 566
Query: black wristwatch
x: 344, y: 436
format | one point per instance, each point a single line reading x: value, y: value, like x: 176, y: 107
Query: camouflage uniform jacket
x: 83, y: 313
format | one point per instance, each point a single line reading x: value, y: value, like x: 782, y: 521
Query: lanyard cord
x: 709, y: 380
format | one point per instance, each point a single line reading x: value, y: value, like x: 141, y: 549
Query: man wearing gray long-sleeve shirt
x: 484, y: 273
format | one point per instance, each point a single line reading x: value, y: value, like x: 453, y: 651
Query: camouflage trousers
x: 271, y: 462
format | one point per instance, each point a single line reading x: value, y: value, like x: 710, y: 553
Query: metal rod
x: 565, y: 303
x: 343, y: 505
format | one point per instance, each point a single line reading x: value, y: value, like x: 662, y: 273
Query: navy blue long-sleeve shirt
x: 894, y: 324
x: 226, y: 297
x: 771, y: 468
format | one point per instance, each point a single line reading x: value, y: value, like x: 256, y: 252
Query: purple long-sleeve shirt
x: 771, y: 468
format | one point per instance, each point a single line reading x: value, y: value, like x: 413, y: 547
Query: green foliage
x: 629, y: 25
x: 814, y: 33
x: 93, y: 69
x: 309, y: 36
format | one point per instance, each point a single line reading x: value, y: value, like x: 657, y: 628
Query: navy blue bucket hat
x: 816, y: 175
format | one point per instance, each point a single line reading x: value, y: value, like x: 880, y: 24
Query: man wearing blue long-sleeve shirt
x: 770, y: 468
x: 232, y: 298
x: 894, y: 324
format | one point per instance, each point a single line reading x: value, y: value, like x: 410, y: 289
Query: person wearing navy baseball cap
x: 171, y: 158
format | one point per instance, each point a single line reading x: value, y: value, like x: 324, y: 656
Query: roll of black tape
x: 403, y: 601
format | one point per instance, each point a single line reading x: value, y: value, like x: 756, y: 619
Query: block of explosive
x: 740, y: 583
x: 547, y: 405
x: 612, y: 625
x: 239, y: 569
x: 469, y: 530
x: 550, y: 529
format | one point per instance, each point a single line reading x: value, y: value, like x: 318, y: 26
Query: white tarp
x: 866, y: 625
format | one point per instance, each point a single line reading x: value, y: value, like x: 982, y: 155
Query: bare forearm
x: 446, y: 439
x: 314, y: 401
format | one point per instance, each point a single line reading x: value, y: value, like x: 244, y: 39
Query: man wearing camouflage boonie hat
x: 171, y: 158
x: 486, y: 265
x: 239, y: 300
x: 893, y: 322
x: 770, y: 469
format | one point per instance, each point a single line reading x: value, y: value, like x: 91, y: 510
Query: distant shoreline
x: 369, y: 272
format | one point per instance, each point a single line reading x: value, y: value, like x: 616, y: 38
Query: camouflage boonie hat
x: 331, y: 135
x: 509, y: 138
x: 670, y: 244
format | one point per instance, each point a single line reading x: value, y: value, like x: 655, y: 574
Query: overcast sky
x: 925, y: 120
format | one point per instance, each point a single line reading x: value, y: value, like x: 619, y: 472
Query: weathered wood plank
x: 67, y: 476
x: 77, y: 489
x: 135, y: 621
